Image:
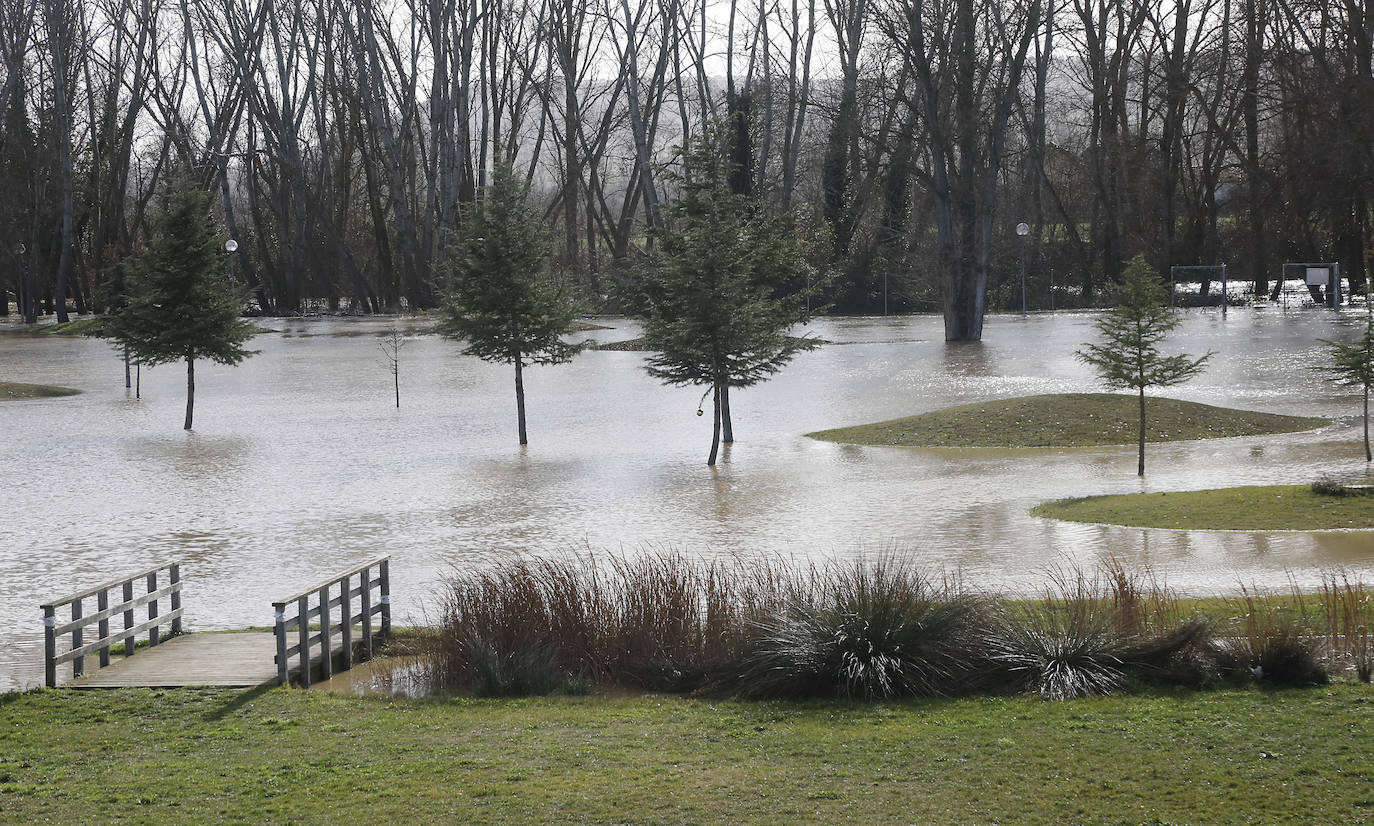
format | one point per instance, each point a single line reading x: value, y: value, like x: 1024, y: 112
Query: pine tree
x: 725, y: 287
x: 180, y: 304
x: 499, y: 298
x: 1128, y: 356
x: 1353, y: 365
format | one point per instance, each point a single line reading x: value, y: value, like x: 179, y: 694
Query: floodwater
x: 300, y: 465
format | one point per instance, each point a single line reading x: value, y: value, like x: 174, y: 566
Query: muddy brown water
x: 300, y: 465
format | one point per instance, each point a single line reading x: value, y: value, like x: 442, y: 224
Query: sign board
x: 1318, y: 276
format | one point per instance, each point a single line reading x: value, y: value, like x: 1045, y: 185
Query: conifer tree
x: 498, y: 295
x: 180, y: 304
x: 1129, y: 356
x: 727, y: 284
x: 1352, y: 364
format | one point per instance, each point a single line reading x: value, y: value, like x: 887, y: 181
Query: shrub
x: 870, y: 631
x: 1273, y: 644
x: 1326, y: 486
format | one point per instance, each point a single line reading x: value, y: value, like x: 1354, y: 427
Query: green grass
x: 10, y: 391
x: 1257, y: 508
x: 218, y: 756
x: 1066, y: 420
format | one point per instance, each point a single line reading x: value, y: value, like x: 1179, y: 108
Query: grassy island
x: 283, y: 755
x: 11, y: 390
x: 1259, y: 508
x: 1066, y: 420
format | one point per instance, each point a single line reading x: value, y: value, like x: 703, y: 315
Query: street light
x: 1023, y: 229
x: 231, y: 246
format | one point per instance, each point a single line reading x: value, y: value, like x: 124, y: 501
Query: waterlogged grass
x: 1066, y: 420
x: 10, y: 391
x: 217, y: 756
x: 1256, y: 508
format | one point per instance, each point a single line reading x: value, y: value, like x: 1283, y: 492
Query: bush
x: 872, y: 631
x: 1326, y: 486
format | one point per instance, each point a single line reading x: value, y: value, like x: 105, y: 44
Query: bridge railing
x: 151, y: 594
x: 343, y: 592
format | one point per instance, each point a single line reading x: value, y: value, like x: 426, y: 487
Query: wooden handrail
x: 101, y: 618
x: 336, y: 592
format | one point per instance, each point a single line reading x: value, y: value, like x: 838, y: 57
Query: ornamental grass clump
x: 866, y: 630
x: 1093, y: 635
x: 1273, y: 642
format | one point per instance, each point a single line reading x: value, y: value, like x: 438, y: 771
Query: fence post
x: 303, y: 627
x: 175, y: 577
x: 279, y: 629
x: 386, y: 600
x: 346, y: 622
x: 78, y: 664
x: 326, y: 649
x: 367, y: 612
x: 154, y: 637
x: 102, y: 601
x: 49, y: 646
x: 129, y: 618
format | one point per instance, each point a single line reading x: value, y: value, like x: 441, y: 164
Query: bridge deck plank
x: 242, y: 659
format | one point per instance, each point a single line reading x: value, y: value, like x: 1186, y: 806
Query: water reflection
x: 301, y: 465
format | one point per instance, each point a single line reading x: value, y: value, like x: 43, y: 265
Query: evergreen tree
x: 499, y: 297
x: 1353, y: 365
x: 180, y: 305
x: 725, y: 287
x: 1128, y: 356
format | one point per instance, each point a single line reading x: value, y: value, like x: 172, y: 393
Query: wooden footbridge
x: 315, y: 633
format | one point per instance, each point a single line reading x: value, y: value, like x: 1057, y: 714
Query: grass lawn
x: 10, y: 390
x: 280, y: 755
x: 1066, y: 420
x: 1257, y: 508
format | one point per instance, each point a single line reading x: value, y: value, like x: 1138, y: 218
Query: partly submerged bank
x: 1253, y: 508
x: 1066, y: 420
x: 11, y: 390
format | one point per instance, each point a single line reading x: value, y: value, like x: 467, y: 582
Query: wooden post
x: 49, y: 646
x: 175, y: 577
x: 346, y: 622
x: 153, y: 636
x: 367, y: 612
x: 386, y: 600
x: 303, y: 627
x: 102, y: 601
x: 326, y: 651
x: 129, y: 618
x: 78, y: 664
x: 279, y: 629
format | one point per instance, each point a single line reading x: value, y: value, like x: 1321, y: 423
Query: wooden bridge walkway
x: 332, y: 627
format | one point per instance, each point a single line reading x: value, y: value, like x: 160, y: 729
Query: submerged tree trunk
x: 715, y: 426
x: 128, y: 374
x: 190, y: 390
x: 520, y: 396
x: 1140, y: 461
x: 727, y: 427
x: 1367, y: 456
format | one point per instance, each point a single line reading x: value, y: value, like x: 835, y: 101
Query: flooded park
x: 300, y: 464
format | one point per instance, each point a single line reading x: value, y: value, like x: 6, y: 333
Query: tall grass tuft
x: 869, y: 630
x: 1273, y: 642
x: 1347, y: 611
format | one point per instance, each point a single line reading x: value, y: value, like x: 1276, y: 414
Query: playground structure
x: 1318, y: 283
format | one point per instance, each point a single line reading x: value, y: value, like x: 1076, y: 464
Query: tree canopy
x: 499, y: 298
x: 180, y: 305
x: 1131, y: 332
x: 723, y: 289
x: 1352, y: 364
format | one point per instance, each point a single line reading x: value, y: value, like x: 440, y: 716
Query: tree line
x: 342, y: 139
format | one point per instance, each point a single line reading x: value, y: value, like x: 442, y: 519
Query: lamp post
x: 1022, y: 230
x: 231, y: 246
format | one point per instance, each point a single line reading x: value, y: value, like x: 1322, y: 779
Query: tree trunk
x: 190, y: 390
x: 520, y: 397
x: 1367, y: 456
x: 1140, y: 461
x: 715, y: 426
x: 727, y: 426
x: 128, y: 378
